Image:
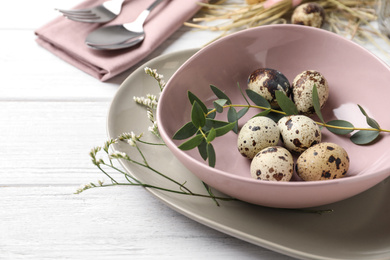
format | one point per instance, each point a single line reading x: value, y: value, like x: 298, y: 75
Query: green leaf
x: 264, y: 113
x: 193, y: 98
x: 340, y: 123
x: 220, y: 94
x: 211, y: 154
x: 274, y: 116
x: 232, y: 117
x: 316, y: 103
x: 286, y: 103
x: 191, y: 143
x: 242, y: 112
x: 211, y: 135
x: 210, y: 123
x: 185, y: 131
x: 364, y: 137
x: 232, y: 114
x: 202, y: 149
x: 225, y: 129
x: 242, y: 93
x: 218, y: 104
x: 370, y: 121
x: 211, y: 115
x: 258, y: 99
x: 198, y: 118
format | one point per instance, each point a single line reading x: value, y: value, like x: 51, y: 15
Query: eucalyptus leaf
x: 242, y: 93
x: 225, y: 129
x: 193, y: 98
x: 286, y: 103
x: 258, y: 99
x: 232, y: 117
x: 218, y: 104
x: 212, y: 115
x: 316, y: 103
x: 364, y: 137
x: 263, y: 113
x: 191, y: 143
x: 211, y: 154
x: 370, y: 121
x: 274, y: 116
x: 202, y: 149
x: 220, y: 94
x: 232, y: 114
x: 211, y: 135
x: 213, y: 123
x: 185, y: 131
x: 198, y: 118
x: 340, y: 123
x: 242, y: 112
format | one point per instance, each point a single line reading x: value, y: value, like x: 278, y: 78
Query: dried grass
x: 352, y: 19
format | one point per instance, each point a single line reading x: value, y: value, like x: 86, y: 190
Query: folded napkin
x: 65, y: 38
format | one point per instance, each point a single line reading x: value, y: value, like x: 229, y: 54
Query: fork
x: 98, y: 14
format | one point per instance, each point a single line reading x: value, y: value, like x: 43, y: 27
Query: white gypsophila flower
x: 133, y: 138
x: 151, y: 97
x: 108, y: 143
x: 119, y: 155
x: 131, y: 142
x: 156, y: 76
x: 139, y: 100
x: 154, y: 129
x: 150, y: 115
x: 149, y: 101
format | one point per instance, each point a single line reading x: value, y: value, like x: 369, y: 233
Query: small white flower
x: 119, y: 155
x: 154, y: 129
x: 148, y: 101
x: 131, y: 142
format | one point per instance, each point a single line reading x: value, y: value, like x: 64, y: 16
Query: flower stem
x: 165, y: 189
x: 319, y: 123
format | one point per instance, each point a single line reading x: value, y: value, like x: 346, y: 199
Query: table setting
x: 120, y: 121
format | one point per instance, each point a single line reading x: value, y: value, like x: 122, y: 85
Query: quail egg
x: 302, y: 90
x: 323, y: 161
x: 309, y: 14
x: 298, y: 132
x: 257, y: 134
x: 273, y: 163
x: 266, y: 81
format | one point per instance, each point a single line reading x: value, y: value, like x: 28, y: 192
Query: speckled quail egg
x: 302, y: 90
x: 266, y: 81
x: 309, y: 14
x: 299, y: 132
x: 257, y: 134
x: 322, y: 161
x: 273, y: 163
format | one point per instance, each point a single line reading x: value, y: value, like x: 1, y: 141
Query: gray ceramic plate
x: 358, y: 228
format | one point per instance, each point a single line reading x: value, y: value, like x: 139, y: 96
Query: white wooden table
x: 51, y: 115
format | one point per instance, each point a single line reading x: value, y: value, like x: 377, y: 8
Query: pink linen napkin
x: 65, y: 38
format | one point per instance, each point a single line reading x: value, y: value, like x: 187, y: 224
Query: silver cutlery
x: 122, y: 35
x: 98, y: 14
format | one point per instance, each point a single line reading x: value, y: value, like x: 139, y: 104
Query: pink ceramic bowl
x: 355, y: 76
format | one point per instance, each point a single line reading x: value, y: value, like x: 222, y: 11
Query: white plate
x: 358, y: 228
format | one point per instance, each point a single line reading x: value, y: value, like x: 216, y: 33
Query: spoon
x: 114, y: 35
x: 132, y: 42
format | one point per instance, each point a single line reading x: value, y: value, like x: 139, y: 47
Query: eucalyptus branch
x: 284, y: 113
x: 203, y: 128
